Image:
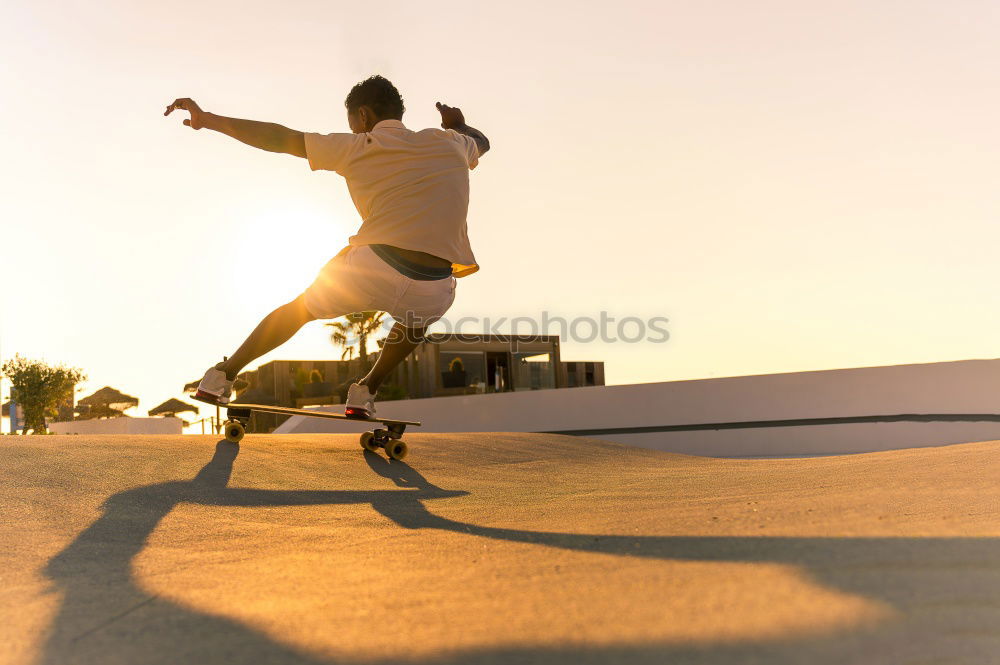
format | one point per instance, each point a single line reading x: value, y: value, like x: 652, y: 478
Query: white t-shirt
x: 410, y: 188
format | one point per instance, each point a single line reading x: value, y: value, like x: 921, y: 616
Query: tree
x: 354, y: 332
x: 39, y: 388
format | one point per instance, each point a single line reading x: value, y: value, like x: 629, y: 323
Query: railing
x: 214, y: 425
x: 215, y: 422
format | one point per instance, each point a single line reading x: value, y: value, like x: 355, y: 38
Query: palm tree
x: 353, y: 332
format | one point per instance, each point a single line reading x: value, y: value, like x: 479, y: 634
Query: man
x: 412, y: 192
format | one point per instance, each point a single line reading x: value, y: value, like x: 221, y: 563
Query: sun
x: 281, y: 249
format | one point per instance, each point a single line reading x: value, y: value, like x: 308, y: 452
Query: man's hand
x: 450, y: 117
x: 197, y: 115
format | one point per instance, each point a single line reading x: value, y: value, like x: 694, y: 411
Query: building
x: 577, y: 374
x: 445, y: 364
x: 298, y: 383
x: 464, y: 364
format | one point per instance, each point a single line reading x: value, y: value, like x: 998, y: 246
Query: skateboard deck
x: 388, y: 438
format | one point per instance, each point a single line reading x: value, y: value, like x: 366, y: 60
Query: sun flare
x: 282, y: 248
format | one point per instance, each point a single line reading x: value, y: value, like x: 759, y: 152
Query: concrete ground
x: 491, y: 548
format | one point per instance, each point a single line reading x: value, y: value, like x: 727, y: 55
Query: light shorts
x: 357, y: 280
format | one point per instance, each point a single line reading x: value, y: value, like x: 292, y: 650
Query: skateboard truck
x: 237, y: 420
x: 388, y: 438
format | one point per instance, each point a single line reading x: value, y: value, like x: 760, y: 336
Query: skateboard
x: 388, y: 438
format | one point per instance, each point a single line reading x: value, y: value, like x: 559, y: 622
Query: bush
x: 389, y: 392
x: 39, y: 388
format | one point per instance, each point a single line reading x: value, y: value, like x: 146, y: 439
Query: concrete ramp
x: 491, y: 548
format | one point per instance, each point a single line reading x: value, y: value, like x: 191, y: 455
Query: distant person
x: 455, y: 376
x: 412, y: 192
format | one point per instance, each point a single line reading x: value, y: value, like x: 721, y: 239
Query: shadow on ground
x: 94, y: 571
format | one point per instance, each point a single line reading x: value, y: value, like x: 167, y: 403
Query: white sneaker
x: 360, y: 402
x: 215, y: 387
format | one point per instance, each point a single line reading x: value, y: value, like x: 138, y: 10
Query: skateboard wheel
x: 395, y: 449
x: 234, y: 431
x: 368, y: 441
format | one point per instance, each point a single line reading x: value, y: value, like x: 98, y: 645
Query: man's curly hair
x: 377, y: 93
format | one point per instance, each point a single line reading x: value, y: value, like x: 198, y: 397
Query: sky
x: 792, y: 186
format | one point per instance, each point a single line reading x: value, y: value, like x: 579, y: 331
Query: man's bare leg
x: 400, y: 342
x: 277, y: 328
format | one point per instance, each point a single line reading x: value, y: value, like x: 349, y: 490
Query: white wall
x: 961, y: 387
x: 119, y: 426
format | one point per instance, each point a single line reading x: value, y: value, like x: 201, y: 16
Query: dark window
x: 461, y: 369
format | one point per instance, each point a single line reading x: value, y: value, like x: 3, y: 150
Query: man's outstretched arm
x: 264, y: 135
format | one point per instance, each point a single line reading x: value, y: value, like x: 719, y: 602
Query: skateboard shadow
x: 104, y: 617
